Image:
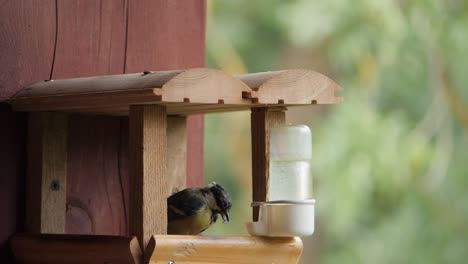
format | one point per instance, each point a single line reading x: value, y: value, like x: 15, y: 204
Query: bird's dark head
x: 223, y: 200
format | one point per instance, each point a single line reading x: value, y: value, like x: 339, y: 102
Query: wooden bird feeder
x: 156, y: 102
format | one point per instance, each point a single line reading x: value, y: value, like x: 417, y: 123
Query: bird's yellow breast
x: 191, y: 225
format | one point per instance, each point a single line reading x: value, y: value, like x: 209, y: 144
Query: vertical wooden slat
x: 262, y: 120
x: 148, y: 179
x: 47, y: 173
x: 176, y: 152
x: 195, y: 138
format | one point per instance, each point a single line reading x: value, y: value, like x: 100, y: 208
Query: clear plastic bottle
x: 290, y: 163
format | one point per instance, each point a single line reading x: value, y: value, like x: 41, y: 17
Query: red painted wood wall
x: 52, y: 39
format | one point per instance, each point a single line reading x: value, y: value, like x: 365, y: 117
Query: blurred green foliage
x: 390, y: 164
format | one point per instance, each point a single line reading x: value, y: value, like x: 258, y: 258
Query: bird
x: 193, y: 210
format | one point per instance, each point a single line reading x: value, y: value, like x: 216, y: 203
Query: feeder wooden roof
x: 184, y: 92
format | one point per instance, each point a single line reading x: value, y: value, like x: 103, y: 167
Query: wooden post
x: 262, y: 120
x: 47, y: 173
x: 176, y: 152
x: 149, y: 186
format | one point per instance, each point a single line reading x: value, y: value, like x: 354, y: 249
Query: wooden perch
x: 223, y: 250
x: 183, y: 92
x: 292, y: 87
x: 75, y: 249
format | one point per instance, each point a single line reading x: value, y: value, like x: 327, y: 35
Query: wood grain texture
x: 90, y: 38
x: 47, y: 174
x: 176, y: 152
x: 149, y: 186
x: 165, y: 35
x: 262, y: 120
x: 75, y: 249
x: 99, y: 84
x: 27, y: 37
x: 97, y: 198
x: 12, y: 176
x: 217, y: 250
x: 203, y: 85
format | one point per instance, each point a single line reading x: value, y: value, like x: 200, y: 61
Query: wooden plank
x: 85, y: 101
x: 117, y: 102
x: 176, y: 152
x: 97, y: 193
x: 262, y: 120
x: 223, y: 250
x: 47, y: 174
x: 75, y: 249
x: 99, y: 84
x: 149, y: 186
x: 24, y: 61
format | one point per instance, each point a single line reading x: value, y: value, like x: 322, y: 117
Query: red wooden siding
x: 63, y: 39
x: 27, y: 36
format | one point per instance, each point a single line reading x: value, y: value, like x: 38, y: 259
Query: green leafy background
x: 390, y: 164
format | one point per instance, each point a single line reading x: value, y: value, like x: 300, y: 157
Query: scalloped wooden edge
x: 292, y: 87
x: 203, y: 85
x: 226, y: 250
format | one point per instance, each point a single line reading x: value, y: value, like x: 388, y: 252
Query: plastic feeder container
x: 290, y: 208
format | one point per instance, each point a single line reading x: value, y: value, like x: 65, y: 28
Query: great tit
x: 193, y: 210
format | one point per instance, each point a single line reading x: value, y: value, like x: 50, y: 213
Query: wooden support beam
x: 176, y: 152
x: 149, y: 186
x: 262, y: 120
x: 47, y: 173
x: 225, y: 250
x: 75, y: 249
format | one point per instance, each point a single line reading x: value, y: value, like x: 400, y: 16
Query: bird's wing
x: 184, y: 203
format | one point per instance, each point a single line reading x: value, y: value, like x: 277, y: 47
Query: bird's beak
x: 225, y: 216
